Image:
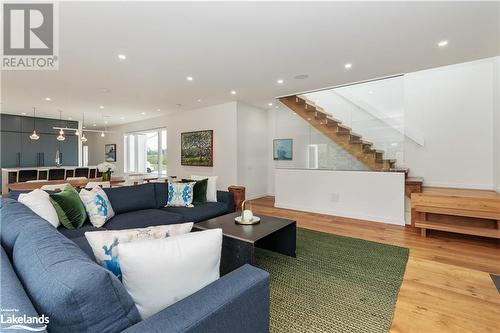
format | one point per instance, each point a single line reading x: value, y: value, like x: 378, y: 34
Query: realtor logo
x: 29, y: 36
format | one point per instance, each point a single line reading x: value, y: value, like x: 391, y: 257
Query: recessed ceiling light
x: 94, y: 125
x: 189, y: 78
x: 348, y: 66
x: 233, y: 92
x: 280, y: 81
x: 443, y: 43
x: 270, y: 104
x: 122, y: 56
x: 199, y: 100
x: 158, y: 110
x: 143, y: 113
x: 23, y: 113
x: 370, y: 92
x: 48, y: 99
x: 101, y: 107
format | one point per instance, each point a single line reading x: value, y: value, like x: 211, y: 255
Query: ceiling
x: 241, y: 46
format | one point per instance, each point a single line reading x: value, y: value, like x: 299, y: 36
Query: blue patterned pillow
x: 180, y: 194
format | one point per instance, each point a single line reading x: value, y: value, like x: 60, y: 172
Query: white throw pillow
x: 160, y: 272
x: 211, y: 186
x: 97, y: 205
x: 104, y: 243
x: 38, y: 201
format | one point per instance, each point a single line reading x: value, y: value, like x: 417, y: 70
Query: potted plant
x: 106, y: 169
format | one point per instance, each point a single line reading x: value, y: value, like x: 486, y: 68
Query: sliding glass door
x: 146, y: 152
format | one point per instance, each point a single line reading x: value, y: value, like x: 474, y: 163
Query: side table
x: 239, y: 195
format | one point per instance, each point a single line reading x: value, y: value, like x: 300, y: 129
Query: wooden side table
x: 239, y: 195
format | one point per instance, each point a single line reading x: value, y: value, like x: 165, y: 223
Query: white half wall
x: 374, y: 196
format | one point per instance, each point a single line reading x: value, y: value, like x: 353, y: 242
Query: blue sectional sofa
x: 44, y: 271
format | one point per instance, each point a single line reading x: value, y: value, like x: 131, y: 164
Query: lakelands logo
x: 15, y: 321
x: 30, y: 36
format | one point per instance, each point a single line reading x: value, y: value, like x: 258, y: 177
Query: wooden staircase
x: 351, y: 142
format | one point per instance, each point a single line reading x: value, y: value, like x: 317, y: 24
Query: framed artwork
x: 283, y: 149
x: 110, y: 152
x: 197, y: 148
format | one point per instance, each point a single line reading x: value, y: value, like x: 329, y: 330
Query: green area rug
x: 336, y: 284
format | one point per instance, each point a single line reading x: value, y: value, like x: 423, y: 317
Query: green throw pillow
x: 199, y: 190
x: 69, y: 208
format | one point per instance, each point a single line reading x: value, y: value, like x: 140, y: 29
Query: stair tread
x: 457, y: 211
x: 329, y: 117
x: 344, y: 127
x: 470, y: 230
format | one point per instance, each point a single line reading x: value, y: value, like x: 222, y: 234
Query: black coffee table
x: 238, y: 246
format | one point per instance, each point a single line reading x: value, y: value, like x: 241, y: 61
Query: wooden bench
x: 471, y: 212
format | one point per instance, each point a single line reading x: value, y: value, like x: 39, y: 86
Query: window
x: 146, y: 152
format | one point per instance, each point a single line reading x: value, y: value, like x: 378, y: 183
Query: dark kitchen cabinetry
x: 18, y: 150
x: 11, y: 149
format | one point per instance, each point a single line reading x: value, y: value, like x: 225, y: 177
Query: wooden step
x: 342, y: 129
x: 461, y: 229
x: 331, y: 122
x: 320, y: 115
x: 405, y: 170
x: 456, y: 212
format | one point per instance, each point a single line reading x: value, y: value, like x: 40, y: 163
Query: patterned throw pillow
x: 105, y: 243
x: 180, y: 195
x: 97, y: 205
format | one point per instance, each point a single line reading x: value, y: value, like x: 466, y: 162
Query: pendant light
x: 83, y: 138
x: 34, y: 136
x: 60, y: 137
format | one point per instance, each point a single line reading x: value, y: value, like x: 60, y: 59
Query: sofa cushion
x: 67, y: 286
x: 131, y: 198
x: 199, y: 212
x: 75, y: 233
x: 142, y: 219
x: 84, y: 245
x: 161, y: 194
x: 15, y: 218
x: 13, y: 294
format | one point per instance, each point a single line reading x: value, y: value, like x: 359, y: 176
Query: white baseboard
x: 256, y: 196
x: 370, y: 218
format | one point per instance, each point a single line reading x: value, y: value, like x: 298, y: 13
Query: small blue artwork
x: 283, y: 149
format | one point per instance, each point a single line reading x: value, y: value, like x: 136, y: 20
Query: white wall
x: 453, y: 107
x: 496, y: 128
x: 252, y: 159
x: 240, y: 149
x: 373, y: 196
x: 220, y: 118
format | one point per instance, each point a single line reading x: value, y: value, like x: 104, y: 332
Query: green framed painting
x: 197, y: 148
x: 283, y: 149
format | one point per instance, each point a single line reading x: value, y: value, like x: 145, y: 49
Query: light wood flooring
x: 446, y: 286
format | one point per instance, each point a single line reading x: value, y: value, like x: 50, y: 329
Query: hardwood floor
x: 446, y: 287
